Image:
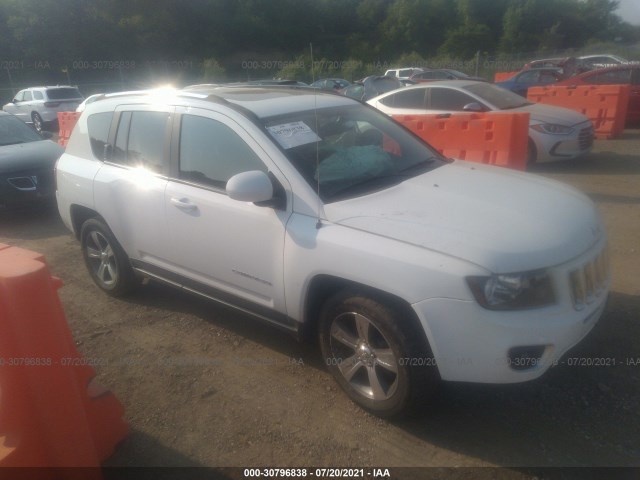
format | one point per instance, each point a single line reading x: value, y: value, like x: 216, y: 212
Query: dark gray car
x: 27, y: 163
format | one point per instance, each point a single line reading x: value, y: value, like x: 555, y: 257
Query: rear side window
x: 63, y: 93
x: 140, y: 140
x: 98, y: 125
x: 38, y: 95
x: 411, y: 98
x: 448, y: 99
x: 211, y: 153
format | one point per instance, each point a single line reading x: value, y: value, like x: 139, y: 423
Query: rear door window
x: 412, y: 98
x: 98, y: 125
x: 140, y: 140
x: 448, y: 99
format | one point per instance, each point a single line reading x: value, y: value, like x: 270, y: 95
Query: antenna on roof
x: 315, y: 111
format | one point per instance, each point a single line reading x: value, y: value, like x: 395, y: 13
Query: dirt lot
x: 205, y: 386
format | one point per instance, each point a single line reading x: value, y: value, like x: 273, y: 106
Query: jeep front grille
x: 589, y: 281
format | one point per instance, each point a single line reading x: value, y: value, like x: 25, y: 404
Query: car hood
x: 25, y: 156
x: 541, y: 113
x: 499, y: 219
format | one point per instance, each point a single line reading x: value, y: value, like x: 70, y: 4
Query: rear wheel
x: 106, y: 261
x: 368, y: 346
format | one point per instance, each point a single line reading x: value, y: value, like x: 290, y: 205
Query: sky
x: 629, y: 11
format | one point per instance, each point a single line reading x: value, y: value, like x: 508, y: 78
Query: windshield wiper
x: 369, y: 185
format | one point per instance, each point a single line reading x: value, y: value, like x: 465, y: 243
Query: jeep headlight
x: 552, y: 129
x: 513, y: 291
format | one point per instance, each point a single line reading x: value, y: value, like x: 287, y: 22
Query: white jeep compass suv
x: 323, y: 216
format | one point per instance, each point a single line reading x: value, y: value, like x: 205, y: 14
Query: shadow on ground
x: 583, y: 412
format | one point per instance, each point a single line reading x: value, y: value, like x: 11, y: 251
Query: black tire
x: 368, y: 346
x: 38, y: 123
x: 105, y: 259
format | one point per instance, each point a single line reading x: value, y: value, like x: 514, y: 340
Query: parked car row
x: 338, y: 193
x: 566, y: 71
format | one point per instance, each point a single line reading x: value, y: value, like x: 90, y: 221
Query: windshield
x: 499, y: 97
x: 14, y: 130
x: 344, y: 152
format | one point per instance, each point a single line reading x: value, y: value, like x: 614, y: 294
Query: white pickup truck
x: 324, y: 217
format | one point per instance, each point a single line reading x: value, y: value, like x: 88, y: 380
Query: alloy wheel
x: 101, y: 258
x: 363, y: 356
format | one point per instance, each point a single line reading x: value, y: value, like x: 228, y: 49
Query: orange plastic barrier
x: 605, y: 105
x: 491, y: 138
x: 52, y: 414
x: 502, y: 76
x: 66, y: 122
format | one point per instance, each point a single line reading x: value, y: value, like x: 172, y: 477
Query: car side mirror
x: 15, y: 100
x: 473, y: 107
x: 254, y: 186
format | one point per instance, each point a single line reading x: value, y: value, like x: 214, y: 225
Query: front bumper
x: 563, y: 147
x: 473, y: 344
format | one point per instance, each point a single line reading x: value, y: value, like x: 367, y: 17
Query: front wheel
x: 370, y: 350
x: 106, y: 261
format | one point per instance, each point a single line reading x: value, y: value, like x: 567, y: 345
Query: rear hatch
x: 63, y: 98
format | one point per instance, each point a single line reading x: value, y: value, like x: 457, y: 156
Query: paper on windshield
x: 290, y: 135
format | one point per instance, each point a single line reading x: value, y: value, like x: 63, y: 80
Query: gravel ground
x: 205, y: 386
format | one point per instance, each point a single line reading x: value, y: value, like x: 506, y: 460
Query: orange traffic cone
x: 51, y: 415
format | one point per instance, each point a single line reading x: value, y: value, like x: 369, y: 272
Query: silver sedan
x: 555, y: 133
